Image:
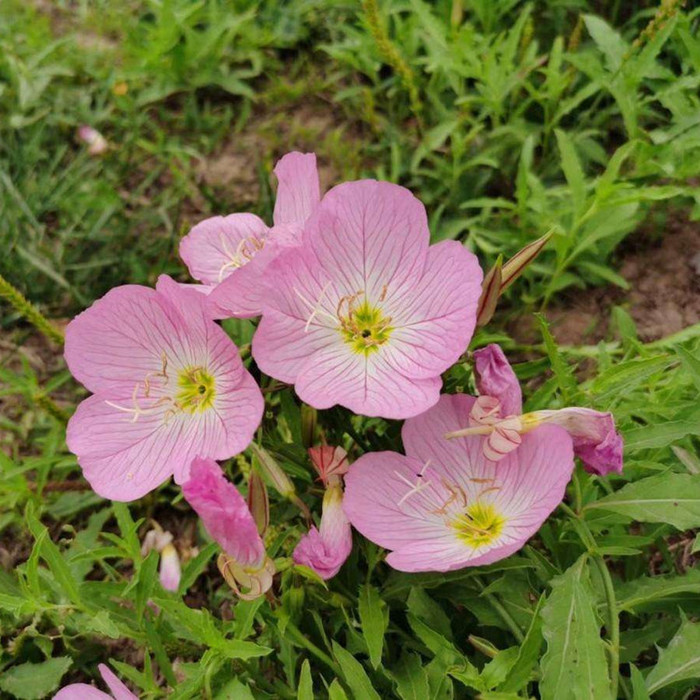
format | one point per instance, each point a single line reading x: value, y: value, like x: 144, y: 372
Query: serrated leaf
x: 373, y: 619
x: 574, y: 666
x: 635, y: 595
x: 410, y: 677
x: 354, y: 674
x: 562, y: 371
x: 665, y: 498
x: 610, y: 43
x: 33, y: 681
x: 680, y: 661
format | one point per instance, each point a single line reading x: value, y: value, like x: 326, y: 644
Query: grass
x: 508, y: 119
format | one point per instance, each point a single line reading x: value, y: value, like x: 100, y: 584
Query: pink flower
x: 170, y: 570
x: 326, y: 550
x: 497, y: 415
x: 365, y: 313
x: 168, y: 385
x: 228, y: 520
x: 329, y: 461
x: 230, y: 254
x: 444, y: 505
x: 82, y: 691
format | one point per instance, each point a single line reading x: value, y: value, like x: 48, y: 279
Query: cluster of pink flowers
x: 358, y: 310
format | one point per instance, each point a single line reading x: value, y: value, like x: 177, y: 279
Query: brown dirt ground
x: 663, y: 298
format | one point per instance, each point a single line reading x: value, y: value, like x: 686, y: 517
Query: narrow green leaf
x: 33, y: 681
x: 574, y: 666
x: 665, y: 498
x: 354, y: 674
x: 680, y: 661
x: 609, y: 42
x: 305, y: 689
x: 691, y: 364
x: 573, y: 172
x: 636, y: 595
x: 562, y: 371
x: 528, y: 654
x: 639, y: 690
x: 373, y: 619
x: 336, y: 692
x: 50, y: 553
x: 420, y: 604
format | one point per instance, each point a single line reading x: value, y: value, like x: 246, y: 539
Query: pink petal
x: 374, y: 491
x: 434, y: 318
x: 209, y: 248
x: 242, y: 294
x: 408, y: 504
x: 298, y: 191
x: 367, y: 385
x: 117, y: 688
x: 495, y: 377
x: 123, y: 459
x: 369, y: 234
x: 224, y: 512
x: 121, y: 338
x: 81, y: 691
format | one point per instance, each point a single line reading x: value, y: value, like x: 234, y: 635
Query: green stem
x: 295, y: 633
x: 25, y: 308
x: 614, y: 631
x: 502, y: 612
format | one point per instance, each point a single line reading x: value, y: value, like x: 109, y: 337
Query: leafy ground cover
x: 508, y: 120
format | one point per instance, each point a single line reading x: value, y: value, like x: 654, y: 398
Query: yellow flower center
x: 197, y: 390
x: 479, y: 525
x: 364, y: 327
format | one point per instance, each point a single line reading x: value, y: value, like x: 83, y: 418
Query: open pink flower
x: 365, y: 313
x: 227, y: 518
x: 167, y: 382
x: 325, y: 550
x: 444, y: 505
x: 82, y: 691
x: 229, y: 255
x: 497, y: 415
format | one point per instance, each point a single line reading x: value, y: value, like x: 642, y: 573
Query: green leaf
x: 610, y: 43
x: 354, y: 674
x: 33, y: 681
x: 691, y: 364
x: 639, y: 690
x: 421, y: 605
x: 528, y: 654
x: 662, y: 434
x: 374, y: 622
x: 410, y: 677
x: 336, y: 692
x: 665, y: 498
x: 305, y: 689
x: 50, y: 553
x: 574, y: 665
x: 635, y: 595
x: 562, y: 371
x: 680, y: 661
x: 572, y: 171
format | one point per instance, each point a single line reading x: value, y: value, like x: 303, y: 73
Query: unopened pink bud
x: 96, y: 143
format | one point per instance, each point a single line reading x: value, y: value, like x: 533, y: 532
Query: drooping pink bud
x: 162, y: 542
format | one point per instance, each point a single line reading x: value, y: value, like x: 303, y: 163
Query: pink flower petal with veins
x: 82, y: 691
x: 168, y: 385
x: 230, y: 255
x: 444, y: 505
x: 366, y: 314
x: 495, y: 377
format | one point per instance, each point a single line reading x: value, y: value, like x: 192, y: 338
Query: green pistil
x: 365, y: 328
x: 479, y: 525
x: 197, y: 390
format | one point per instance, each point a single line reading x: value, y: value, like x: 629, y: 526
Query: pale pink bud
x: 329, y: 461
x: 325, y: 550
x: 96, y: 143
x: 170, y: 570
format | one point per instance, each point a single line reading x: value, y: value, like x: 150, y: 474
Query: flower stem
x: 25, y: 308
x: 302, y: 641
x: 502, y: 612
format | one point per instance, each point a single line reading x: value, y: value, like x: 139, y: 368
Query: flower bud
x: 170, y: 570
x: 309, y: 416
x: 96, y: 143
x: 491, y: 290
x: 258, y: 502
x: 517, y: 264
